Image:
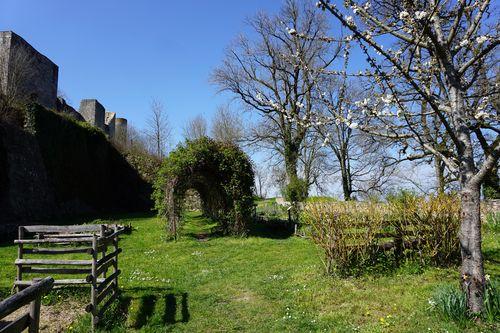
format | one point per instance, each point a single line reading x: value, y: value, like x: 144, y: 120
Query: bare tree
x: 268, y: 75
x: 227, y: 126
x: 159, y: 130
x: 196, y: 128
x: 437, y: 51
x: 262, y: 177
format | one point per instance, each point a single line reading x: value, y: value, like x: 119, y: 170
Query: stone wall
x: 26, y: 73
x: 93, y: 112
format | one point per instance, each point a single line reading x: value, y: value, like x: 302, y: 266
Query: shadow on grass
x: 197, y: 226
x: 492, y: 254
x: 143, y: 307
x: 272, y: 228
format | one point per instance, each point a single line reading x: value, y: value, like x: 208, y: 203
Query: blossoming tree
x: 439, y: 72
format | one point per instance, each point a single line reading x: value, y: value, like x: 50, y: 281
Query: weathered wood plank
x: 107, y: 280
x: 53, y: 262
x: 63, y: 228
x: 50, y: 270
x: 104, y: 267
x: 108, y: 256
x: 107, y: 304
x: 25, y: 296
x: 106, y: 292
x: 18, y: 325
x: 39, y: 250
x: 66, y: 235
x: 54, y: 240
x: 60, y: 282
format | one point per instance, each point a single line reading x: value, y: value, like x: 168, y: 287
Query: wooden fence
x: 88, y: 243
x: 31, y: 319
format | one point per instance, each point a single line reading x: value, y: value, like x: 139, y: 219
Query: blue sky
x: 124, y: 53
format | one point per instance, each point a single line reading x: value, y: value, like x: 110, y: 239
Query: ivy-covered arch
x: 222, y: 175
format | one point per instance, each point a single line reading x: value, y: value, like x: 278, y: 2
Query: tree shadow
x: 271, y: 228
x: 140, y: 309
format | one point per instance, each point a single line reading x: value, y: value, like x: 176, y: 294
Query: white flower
x: 291, y: 31
x: 432, y: 302
x: 349, y: 20
x: 404, y: 14
x: 348, y: 38
x: 463, y: 43
x: 481, y: 115
x: 353, y: 125
x: 487, y: 277
x: 481, y: 39
x: 420, y: 15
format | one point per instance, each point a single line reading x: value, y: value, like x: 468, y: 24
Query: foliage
x: 147, y: 165
x: 493, y: 221
x: 356, y: 235
x: 220, y: 172
x: 84, y: 168
x: 296, y: 190
x: 430, y: 226
x: 345, y: 231
x: 451, y: 303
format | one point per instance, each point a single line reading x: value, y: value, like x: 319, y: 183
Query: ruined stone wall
x: 93, y: 112
x: 25, y: 73
x: 63, y: 168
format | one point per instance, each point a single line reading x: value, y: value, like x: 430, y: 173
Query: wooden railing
x: 31, y: 319
x: 90, y: 243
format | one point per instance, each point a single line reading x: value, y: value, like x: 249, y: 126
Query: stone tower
x: 109, y: 123
x: 26, y: 74
x: 121, y: 130
x: 93, y: 112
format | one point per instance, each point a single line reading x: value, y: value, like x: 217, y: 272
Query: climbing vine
x: 220, y: 172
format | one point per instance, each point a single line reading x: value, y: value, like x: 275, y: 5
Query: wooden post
x: 93, y: 286
x: 19, y: 274
x: 115, y: 264
x: 34, y: 314
x: 103, y: 234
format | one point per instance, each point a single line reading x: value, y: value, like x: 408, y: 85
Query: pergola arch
x: 222, y: 175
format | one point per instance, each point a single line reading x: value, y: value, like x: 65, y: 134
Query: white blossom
x: 420, y: 15
x: 353, y: 125
x: 464, y: 42
x: 481, y: 39
x: 404, y: 14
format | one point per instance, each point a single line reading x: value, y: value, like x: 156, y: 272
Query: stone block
x: 26, y: 74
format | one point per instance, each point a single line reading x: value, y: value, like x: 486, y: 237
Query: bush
x: 346, y: 232
x: 357, y: 235
x: 296, y: 190
x: 220, y: 172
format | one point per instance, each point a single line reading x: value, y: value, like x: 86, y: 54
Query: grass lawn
x: 265, y: 283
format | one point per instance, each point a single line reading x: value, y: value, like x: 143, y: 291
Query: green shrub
x: 296, y: 190
x: 220, y: 172
x: 493, y: 222
x: 451, y: 303
x: 491, y: 312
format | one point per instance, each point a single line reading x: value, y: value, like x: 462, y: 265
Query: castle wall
x: 93, y: 112
x: 121, y: 130
x: 25, y: 73
x: 110, y: 120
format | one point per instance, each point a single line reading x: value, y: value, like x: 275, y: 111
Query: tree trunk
x: 472, y: 270
x: 346, y: 179
x: 291, y: 161
x: 438, y: 166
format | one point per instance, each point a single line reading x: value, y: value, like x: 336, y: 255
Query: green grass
x: 259, y: 284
